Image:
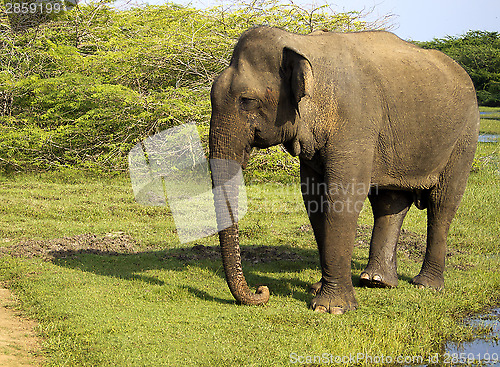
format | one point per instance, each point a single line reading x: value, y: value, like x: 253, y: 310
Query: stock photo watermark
x: 337, y: 198
x: 357, y: 358
x: 170, y: 168
x: 45, y: 7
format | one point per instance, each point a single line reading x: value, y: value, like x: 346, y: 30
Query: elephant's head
x: 256, y: 102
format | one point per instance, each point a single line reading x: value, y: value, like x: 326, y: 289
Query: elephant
x: 369, y: 116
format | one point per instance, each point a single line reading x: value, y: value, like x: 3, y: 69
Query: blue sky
x: 420, y: 20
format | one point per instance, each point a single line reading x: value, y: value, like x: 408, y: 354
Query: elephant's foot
x: 315, y: 288
x: 378, y: 277
x: 333, y: 299
x: 424, y: 280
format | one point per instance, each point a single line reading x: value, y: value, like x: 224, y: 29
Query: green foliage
x: 288, y: 16
x: 479, y: 54
x: 272, y: 164
x: 81, y: 89
x: 77, y: 120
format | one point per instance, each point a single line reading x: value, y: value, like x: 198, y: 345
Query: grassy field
x: 111, y: 285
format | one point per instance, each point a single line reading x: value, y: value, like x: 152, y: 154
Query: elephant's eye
x: 249, y: 104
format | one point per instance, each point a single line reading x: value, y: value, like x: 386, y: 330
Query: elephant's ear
x: 297, y: 71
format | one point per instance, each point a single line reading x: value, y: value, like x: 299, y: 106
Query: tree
x: 82, y: 89
x: 478, y: 52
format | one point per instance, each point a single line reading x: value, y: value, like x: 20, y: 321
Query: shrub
x: 82, y: 88
x: 79, y: 121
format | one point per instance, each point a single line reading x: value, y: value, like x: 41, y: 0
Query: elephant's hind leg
x: 444, y: 200
x: 389, y: 210
x: 441, y: 210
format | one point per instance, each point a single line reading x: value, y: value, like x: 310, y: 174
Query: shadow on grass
x: 116, y: 255
x: 207, y: 297
x: 258, y: 261
x: 278, y: 270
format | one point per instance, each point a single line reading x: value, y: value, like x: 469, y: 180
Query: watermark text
x: 357, y: 358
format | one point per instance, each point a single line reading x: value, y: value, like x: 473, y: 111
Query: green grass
x: 489, y: 121
x: 154, y: 308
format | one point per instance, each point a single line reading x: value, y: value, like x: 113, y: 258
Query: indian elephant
x: 368, y: 115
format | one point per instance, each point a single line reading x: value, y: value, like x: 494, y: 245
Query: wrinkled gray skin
x: 361, y: 110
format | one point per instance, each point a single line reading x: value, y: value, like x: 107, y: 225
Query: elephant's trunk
x: 226, y: 189
x: 231, y: 260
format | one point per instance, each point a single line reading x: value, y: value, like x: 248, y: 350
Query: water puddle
x: 485, y: 350
x: 488, y: 138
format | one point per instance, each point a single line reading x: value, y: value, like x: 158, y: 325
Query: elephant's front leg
x: 333, y: 209
x: 313, y: 188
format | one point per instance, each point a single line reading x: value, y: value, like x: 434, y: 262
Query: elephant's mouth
x: 246, y: 156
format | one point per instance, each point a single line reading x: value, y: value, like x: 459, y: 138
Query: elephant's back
x: 423, y: 99
x: 385, y: 51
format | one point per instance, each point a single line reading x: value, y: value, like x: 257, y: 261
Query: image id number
x: 32, y: 8
x: 468, y: 358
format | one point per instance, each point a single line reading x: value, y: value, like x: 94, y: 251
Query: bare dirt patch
x: 114, y: 243
x: 19, y: 346
x: 410, y: 244
x: 119, y: 243
x: 252, y: 254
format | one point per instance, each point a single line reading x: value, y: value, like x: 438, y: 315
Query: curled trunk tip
x: 231, y: 259
x: 260, y: 297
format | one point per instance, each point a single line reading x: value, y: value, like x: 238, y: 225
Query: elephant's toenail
x: 365, y: 276
x: 336, y: 310
x: 377, y: 278
x: 320, y: 309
